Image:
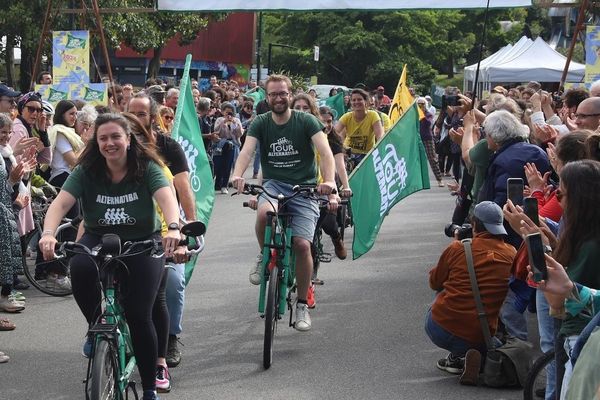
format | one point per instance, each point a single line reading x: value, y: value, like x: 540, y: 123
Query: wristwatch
x: 173, y: 226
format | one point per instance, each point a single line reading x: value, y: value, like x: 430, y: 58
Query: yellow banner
x: 71, y: 56
x: 402, y: 99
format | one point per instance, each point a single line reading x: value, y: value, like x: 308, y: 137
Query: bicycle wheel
x: 43, y: 275
x: 271, y: 316
x: 535, y: 384
x: 104, y: 371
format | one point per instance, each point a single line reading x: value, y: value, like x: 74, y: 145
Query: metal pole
x: 38, y: 53
x: 103, y: 45
x: 269, y: 58
x: 258, y: 47
x: 578, y: 27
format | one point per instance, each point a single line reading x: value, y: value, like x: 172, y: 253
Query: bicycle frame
x: 277, y: 248
x: 113, y: 328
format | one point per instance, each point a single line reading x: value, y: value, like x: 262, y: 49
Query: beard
x: 279, y: 107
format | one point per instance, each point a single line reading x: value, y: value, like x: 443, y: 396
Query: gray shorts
x: 304, y: 211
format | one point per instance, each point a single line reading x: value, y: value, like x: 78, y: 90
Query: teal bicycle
x: 278, y: 279
x: 112, y: 362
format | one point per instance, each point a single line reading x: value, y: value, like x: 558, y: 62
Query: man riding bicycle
x: 288, y: 140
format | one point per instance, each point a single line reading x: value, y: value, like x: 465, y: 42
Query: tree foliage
x: 371, y: 48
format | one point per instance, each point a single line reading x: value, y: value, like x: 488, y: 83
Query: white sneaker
x: 224, y: 191
x: 255, y: 271
x: 11, y: 305
x: 303, y: 322
x: 63, y: 283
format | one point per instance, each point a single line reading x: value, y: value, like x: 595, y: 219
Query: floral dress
x: 10, y: 245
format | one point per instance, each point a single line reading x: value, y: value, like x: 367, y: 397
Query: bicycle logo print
x: 191, y: 152
x: 116, y: 216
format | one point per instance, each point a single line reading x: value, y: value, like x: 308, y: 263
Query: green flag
x: 186, y: 130
x: 394, y: 169
x: 336, y: 103
x: 257, y: 94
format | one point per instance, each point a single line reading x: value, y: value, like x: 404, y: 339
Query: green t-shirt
x: 583, y: 270
x: 586, y: 374
x: 124, y: 208
x: 286, y: 151
x: 480, y: 159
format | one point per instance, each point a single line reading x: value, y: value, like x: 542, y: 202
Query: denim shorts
x: 304, y: 211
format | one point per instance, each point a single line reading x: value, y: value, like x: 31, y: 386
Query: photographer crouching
x: 452, y: 321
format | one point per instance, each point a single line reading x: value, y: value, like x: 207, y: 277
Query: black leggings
x: 160, y: 316
x: 138, y: 293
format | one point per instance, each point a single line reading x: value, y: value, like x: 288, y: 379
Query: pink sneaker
x: 163, y: 379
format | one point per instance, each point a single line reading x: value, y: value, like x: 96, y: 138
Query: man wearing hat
x: 157, y: 93
x: 452, y: 322
x: 8, y: 99
x: 383, y: 100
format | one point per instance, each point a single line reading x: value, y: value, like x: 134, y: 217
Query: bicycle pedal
x: 318, y: 281
x: 103, y: 328
x: 325, y: 257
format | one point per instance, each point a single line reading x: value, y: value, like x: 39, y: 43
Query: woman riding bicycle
x: 117, y: 179
x: 360, y: 128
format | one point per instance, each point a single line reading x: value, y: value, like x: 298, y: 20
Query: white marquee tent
x: 525, y: 61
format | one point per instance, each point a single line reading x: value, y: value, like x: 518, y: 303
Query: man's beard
x: 279, y: 105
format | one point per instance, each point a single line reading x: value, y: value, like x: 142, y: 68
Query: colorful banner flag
x: 336, y: 103
x: 394, y: 169
x: 592, y: 54
x: 95, y: 94
x: 324, y: 5
x: 402, y: 99
x: 186, y: 130
x: 71, y: 56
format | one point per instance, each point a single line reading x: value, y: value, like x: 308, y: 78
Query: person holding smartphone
x: 229, y: 128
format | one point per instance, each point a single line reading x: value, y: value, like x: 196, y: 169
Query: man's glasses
x: 33, y: 109
x: 582, y: 116
x: 229, y: 114
x: 283, y: 95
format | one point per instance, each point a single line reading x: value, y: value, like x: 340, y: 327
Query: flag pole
x: 476, y: 83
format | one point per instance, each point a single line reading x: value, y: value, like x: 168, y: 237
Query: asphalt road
x: 367, y: 340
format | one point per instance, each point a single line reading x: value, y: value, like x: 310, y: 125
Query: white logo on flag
x: 191, y: 152
x: 391, y: 176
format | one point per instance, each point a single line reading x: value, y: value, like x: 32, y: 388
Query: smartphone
x: 530, y: 208
x: 514, y: 190
x: 535, y: 249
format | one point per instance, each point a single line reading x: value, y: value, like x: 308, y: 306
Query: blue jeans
x: 511, y: 315
x: 446, y: 340
x: 569, y: 345
x: 256, y: 165
x: 175, y: 296
x: 546, y: 329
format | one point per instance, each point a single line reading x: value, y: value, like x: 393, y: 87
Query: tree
x: 151, y: 31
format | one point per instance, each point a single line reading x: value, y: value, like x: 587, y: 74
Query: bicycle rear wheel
x: 42, y: 274
x: 271, y: 316
x: 103, y: 373
x: 535, y: 385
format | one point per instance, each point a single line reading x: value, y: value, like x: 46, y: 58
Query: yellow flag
x: 402, y: 99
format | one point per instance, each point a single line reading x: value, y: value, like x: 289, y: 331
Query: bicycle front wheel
x: 103, y: 373
x: 52, y: 278
x: 271, y: 316
x: 535, y: 385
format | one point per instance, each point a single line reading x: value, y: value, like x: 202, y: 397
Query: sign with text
x: 71, y: 56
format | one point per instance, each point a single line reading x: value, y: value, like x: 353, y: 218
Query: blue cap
x: 491, y: 215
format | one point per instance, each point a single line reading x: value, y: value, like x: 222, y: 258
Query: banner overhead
x: 323, y: 5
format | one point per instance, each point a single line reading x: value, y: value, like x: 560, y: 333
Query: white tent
x: 525, y: 61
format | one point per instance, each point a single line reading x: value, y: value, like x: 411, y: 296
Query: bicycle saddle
x: 111, y: 244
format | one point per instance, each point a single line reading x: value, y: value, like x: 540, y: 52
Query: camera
x: 449, y: 100
x: 463, y: 231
